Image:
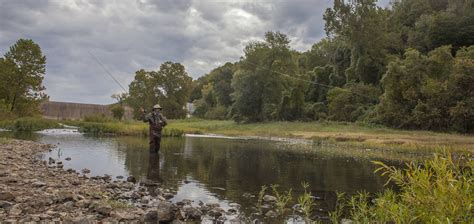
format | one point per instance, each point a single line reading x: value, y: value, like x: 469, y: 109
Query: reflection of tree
x: 243, y: 166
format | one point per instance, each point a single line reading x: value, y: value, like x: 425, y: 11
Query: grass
x: 342, y: 134
x: 29, y: 124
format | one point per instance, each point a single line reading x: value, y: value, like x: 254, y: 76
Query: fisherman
x: 157, y: 122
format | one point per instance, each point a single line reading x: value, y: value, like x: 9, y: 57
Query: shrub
x: 435, y: 191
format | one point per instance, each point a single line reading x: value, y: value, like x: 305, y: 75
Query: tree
x: 262, y: 78
x: 361, y: 23
x: 353, y: 102
x: 433, y: 91
x: 170, y: 86
x: 22, y: 70
x: 117, y: 111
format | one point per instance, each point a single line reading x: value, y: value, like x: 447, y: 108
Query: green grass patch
x: 29, y: 124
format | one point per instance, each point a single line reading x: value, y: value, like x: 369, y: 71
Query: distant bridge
x: 75, y: 111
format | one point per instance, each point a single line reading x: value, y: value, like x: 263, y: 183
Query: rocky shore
x: 37, y: 190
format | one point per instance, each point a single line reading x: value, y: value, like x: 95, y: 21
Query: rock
x: 6, y: 196
x: 39, y: 184
x: 15, y: 210
x: 248, y: 195
x: 271, y: 214
x: 269, y: 198
x: 151, y: 216
x: 123, y: 215
x: 68, y: 159
x: 131, y: 179
x: 191, y: 213
x: 82, y: 220
x: 5, y: 204
x: 168, y: 195
x: 119, y: 177
x: 215, y: 212
x: 85, y: 170
x: 166, y: 212
x: 51, y: 160
x: 104, y: 210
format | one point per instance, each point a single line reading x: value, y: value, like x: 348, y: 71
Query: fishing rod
x: 107, y: 71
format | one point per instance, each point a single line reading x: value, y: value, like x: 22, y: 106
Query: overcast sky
x: 128, y: 35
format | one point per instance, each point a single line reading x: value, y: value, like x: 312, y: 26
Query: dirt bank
x: 32, y: 189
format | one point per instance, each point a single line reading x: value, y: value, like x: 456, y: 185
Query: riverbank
x: 34, y: 190
x: 338, y: 133
x: 351, y: 134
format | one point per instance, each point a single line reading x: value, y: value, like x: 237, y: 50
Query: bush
x: 352, y: 102
x: 435, y: 191
x: 117, y: 111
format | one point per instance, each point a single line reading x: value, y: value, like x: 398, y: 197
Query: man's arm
x: 163, y: 119
x: 145, y: 117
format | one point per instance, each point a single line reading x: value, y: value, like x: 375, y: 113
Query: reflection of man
x: 153, y: 167
x: 157, y: 122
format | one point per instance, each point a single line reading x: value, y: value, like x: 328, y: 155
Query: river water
x: 220, y: 170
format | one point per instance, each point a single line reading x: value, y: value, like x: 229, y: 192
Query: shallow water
x: 218, y: 170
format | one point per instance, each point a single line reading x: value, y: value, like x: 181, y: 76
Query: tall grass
x: 123, y: 128
x: 29, y: 124
x: 438, y: 190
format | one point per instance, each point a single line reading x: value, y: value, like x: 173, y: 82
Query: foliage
x: 368, y: 51
x: 117, y: 111
x: 170, y: 86
x: 282, y: 199
x: 22, y: 70
x: 431, y: 91
x: 29, y: 124
x: 351, y: 102
x: 438, y: 190
x: 261, y: 80
x: 306, y: 201
x: 260, y: 196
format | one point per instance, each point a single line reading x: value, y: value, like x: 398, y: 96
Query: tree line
x: 407, y: 66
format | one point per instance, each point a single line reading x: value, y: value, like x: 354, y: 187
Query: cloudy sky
x: 127, y: 35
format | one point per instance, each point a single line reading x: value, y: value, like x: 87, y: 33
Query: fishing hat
x: 157, y: 106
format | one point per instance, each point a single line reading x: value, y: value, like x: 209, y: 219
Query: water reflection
x: 218, y: 170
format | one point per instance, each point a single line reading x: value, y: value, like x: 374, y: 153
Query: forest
x: 409, y: 66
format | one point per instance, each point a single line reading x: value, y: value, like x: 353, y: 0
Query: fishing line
x: 312, y: 82
x: 107, y: 71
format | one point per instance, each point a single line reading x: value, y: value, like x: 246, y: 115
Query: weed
x: 261, y: 194
x: 336, y: 215
x: 306, y: 201
x: 281, y: 199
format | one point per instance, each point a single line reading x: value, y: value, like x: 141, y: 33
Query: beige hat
x: 157, y: 106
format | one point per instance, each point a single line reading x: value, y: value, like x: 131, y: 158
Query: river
x: 227, y: 171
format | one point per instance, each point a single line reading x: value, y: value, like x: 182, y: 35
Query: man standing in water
x: 157, y: 122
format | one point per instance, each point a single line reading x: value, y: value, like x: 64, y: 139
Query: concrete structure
x: 75, y: 111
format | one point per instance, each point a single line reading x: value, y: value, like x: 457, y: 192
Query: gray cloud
x: 129, y: 35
